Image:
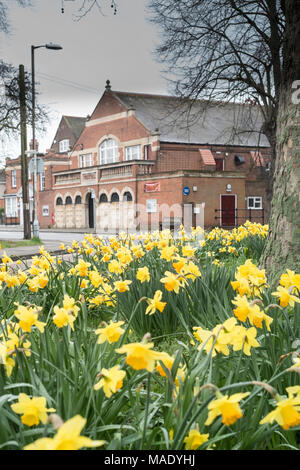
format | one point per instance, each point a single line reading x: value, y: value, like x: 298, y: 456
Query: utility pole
x: 24, y: 166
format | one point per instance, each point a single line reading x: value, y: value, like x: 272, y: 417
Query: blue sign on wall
x: 186, y: 190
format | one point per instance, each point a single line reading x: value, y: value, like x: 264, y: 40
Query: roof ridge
x: 76, y: 117
x: 182, y: 98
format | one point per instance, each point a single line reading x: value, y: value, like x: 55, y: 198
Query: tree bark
x: 282, y: 248
x: 24, y: 166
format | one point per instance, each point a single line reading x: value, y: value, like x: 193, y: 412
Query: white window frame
x: 13, y: 178
x: 134, y: 152
x: 256, y: 200
x: 147, y: 150
x: 64, y: 145
x: 86, y: 160
x: 42, y: 181
x: 11, y: 206
x: 108, y: 152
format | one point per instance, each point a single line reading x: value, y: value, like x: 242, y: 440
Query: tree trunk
x: 282, y: 249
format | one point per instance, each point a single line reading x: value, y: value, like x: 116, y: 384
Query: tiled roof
x: 259, y: 159
x: 203, y: 123
x: 207, y: 157
x: 76, y: 124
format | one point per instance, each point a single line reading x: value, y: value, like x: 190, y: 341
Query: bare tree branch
x: 9, y: 102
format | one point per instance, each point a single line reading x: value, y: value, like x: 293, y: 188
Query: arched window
x: 103, y: 198
x: 68, y: 200
x: 108, y: 152
x: 127, y: 196
x: 114, y: 197
x: 78, y: 199
x: 59, y: 201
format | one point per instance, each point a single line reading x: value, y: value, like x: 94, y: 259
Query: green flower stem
x: 146, y: 410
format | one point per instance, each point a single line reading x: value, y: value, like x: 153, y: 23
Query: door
x: 189, y: 217
x: 228, y: 210
x: 90, y: 204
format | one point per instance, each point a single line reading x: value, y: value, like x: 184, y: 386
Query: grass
x: 13, y: 243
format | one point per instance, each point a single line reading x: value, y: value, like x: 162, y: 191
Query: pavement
x: 51, y: 245
x: 51, y: 240
x: 27, y: 252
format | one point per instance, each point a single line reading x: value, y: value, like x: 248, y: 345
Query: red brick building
x: 144, y: 160
x: 56, y: 158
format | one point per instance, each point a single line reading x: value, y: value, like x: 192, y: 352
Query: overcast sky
x: 96, y: 48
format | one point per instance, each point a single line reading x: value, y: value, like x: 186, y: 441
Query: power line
x: 69, y: 83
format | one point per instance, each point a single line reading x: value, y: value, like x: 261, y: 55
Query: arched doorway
x: 90, y: 210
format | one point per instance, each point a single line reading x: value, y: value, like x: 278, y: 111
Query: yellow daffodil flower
x: 287, y: 411
x: 155, y: 303
x: 111, y: 380
x: 67, y: 438
x: 285, y: 297
x: 122, y: 286
x: 33, y: 410
x: 194, y: 439
x: 171, y: 282
x: 28, y: 317
x: 140, y: 356
x: 143, y: 274
x: 227, y: 407
x: 110, y: 332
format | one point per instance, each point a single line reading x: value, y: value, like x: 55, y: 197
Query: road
x: 45, y: 235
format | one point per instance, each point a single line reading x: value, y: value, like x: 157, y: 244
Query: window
x: 64, y: 145
x: 255, y: 202
x: 133, y: 153
x: 108, y: 152
x: 127, y: 196
x: 219, y: 164
x: 11, y: 207
x: 59, y: 201
x: 78, y: 199
x: 68, y: 200
x: 86, y: 160
x: 42, y: 181
x: 114, y: 197
x: 238, y: 160
x: 13, y: 179
x: 103, y: 198
x: 147, y: 152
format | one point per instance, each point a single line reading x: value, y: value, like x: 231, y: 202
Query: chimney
x: 36, y: 146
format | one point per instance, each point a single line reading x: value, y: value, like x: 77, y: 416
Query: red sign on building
x: 151, y: 187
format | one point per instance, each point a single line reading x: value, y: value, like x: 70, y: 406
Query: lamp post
x: 54, y: 47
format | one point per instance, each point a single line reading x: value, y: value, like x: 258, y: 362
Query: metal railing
x: 236, y: 217
x: 11, y: 220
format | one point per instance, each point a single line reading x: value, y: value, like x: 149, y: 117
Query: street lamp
x: 54, y: 47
